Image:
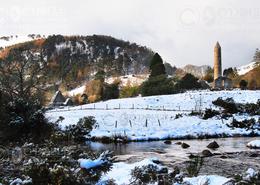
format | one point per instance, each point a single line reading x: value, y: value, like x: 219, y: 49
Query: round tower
x: 217, y: 61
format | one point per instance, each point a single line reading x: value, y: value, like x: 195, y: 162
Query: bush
x: 229, y: 105
x: 23, y: 119
x: 79, y: 131
x: 94, y: 90
x: 152, y: 174
x: 129, y: 91
x: 247, y: 124
x: 188, y: 82
x: 209, y: 113
x: 243, y: 84
x: 110, y: 91
x: 158, y: 85
x: 194, y: 166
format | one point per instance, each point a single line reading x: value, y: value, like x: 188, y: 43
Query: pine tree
x: 156, y: 66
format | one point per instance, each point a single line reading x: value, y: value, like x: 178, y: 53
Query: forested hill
x: 74, y: 59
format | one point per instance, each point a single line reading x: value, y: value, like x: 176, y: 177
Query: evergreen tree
x: 243, y: 84
x: 156, y: 66
x: 188, y: 82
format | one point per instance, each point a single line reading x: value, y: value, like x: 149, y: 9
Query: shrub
x: 24, y: 119
x: 188, y: 82
x: 94, y: 90
x: 129, y: 91
x: 194, y: 166
x: 243, y: 84
x: 229, y: 105
x: 152, y: 174
x: 247, y: 123
x: 110, y: 91
x: 79, y: 131
x: 209, y: 113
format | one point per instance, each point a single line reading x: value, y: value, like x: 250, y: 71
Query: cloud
x: 183, y: 32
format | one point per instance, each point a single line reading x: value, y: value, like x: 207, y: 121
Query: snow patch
x: 76, y: 91
x: 128, y: 79
x: 12, y: 40
x: 209, y: 180
x: 121, y: 171
x: 246, y: 68
x: 254, y: 144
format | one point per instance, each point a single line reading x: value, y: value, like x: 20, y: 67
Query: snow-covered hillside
x: 14, y: 39
x: 246, y: 68
x: 128, y: 79
x: 125, y: 80
x: 156, y: 117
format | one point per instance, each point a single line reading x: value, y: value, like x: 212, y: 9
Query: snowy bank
x: 254, y: 144
x: 121, y: 172
x: 89, y: 163
x: 206, y: 179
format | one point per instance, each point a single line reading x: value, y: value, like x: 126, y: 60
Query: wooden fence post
x: 130, y: 123
x: 146, y: 123
x: 159, y: 123
x: 116, y: 124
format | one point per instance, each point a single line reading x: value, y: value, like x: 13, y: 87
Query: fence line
x: 70, y: 109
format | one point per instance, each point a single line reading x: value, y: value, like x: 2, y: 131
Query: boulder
x: 178, y: 143
x: 168, y: 142
x: 206, y: 153
x: 213, y: 145
x: 185, y: 145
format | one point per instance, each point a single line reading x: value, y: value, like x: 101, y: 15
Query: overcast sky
x: 181, y: 31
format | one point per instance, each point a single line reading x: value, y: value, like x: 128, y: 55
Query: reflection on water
x: 196, y: 145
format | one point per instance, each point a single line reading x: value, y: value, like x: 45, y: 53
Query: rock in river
x: 185, y: 145
x: 213, y: 145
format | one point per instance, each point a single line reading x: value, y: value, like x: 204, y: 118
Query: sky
x: 181, y: 31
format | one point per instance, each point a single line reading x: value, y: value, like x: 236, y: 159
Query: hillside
x: 252, y: 77
x: 71, y: 60
x: 198, y: 71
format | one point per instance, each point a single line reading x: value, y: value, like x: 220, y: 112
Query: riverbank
x: 63, y: 159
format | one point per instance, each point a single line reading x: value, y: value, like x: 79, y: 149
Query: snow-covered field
x: 154, y: 117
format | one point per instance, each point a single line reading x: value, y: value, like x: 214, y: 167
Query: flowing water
x: 172, y: 154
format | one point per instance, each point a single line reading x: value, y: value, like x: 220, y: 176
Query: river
x: 172, y: 154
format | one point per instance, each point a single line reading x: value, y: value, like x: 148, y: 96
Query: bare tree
x: 21, y: 73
